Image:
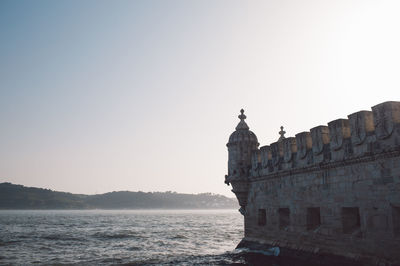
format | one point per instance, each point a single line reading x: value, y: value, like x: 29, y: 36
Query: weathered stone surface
x: 387, y: 125
x: 289, y: 151
x: 348, y: 173
x: 242, y: 143
x: 362, y: 132
x: 339, y: 132
x: 320, y: 143
x: 277, y: 154
x: 304, y: 149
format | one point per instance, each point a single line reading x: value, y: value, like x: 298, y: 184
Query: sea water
x: 129, y: 237
x: 107, y: 237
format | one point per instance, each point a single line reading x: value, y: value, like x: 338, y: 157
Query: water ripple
x: 119, y: 237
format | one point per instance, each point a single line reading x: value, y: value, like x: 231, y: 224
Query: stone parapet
x: 320, y: 144
x: 364, y: 132
x: 332, y: 192
x: 348, y: 208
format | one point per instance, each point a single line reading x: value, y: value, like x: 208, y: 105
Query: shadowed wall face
x: 350, y: 219
x: 313, y: 218
x: 396, y: 220
x: 337, y: 190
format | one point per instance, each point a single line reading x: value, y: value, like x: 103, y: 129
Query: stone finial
x: 282, y: 133
x: 242, y: 125
x: 242, y: 116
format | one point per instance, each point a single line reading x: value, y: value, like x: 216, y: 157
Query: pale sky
x: 98, y: 96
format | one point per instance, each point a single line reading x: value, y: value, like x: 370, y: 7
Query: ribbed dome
x: 242, y: 132
x: 242, y: 135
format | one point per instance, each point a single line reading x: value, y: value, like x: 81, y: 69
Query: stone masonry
x: 334, y: 190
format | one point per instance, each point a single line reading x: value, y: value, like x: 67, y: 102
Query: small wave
x: 114, y: 235
x: 61, y: 237
x: 133, y: 248
x: 161, y: 243
x: 149, y: 261
x: 274, y: 251
x: 7, y: 243
x: 178, y: 237
x: 220, y: 259
x: 45, y: 248
x: 112, y: 260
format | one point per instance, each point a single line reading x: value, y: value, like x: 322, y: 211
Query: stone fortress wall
x: 333, y: 190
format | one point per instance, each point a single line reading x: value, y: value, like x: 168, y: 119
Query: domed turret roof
x: 242, y: 132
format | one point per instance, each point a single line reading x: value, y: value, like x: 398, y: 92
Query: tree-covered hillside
x: 21, y: 197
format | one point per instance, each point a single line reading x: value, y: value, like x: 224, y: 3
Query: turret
x: 241, y: 145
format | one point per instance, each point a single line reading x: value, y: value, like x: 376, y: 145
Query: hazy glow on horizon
x: 97, y: 96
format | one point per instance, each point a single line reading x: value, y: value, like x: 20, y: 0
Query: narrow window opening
x: 262, y: 217
x: 350, y: 219
x: 313, y: 218
x: 396, y: 220
x: 284, y: 218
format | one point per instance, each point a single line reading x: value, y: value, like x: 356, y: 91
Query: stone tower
x: 241, y: 145
x: 331, y: 193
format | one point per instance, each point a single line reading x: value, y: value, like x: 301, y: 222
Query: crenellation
x: 320, y: 143
x: 256, y: 168
x: 289, y: 152
x: 266, y: 165
x: 362, y: 132
x: 340, y: 139
x: 387, y: 126
x: 333, y: 190
x: 276, y: 155
x: 304, y: 149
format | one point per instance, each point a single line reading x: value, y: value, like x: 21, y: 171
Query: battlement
x: 333, y: 190
x: 363, y: 134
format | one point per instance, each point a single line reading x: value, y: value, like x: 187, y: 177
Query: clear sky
x: 97, y: 96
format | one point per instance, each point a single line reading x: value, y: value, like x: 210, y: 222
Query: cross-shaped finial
x: 282, y: 133
x: 242, y: 116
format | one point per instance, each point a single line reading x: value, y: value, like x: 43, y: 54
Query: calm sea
x: 99, y: 237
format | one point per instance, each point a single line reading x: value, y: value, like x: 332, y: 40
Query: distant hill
x: 21, y: 197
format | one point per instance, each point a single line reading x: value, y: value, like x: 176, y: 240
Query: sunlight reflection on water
x: 119, y: 236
